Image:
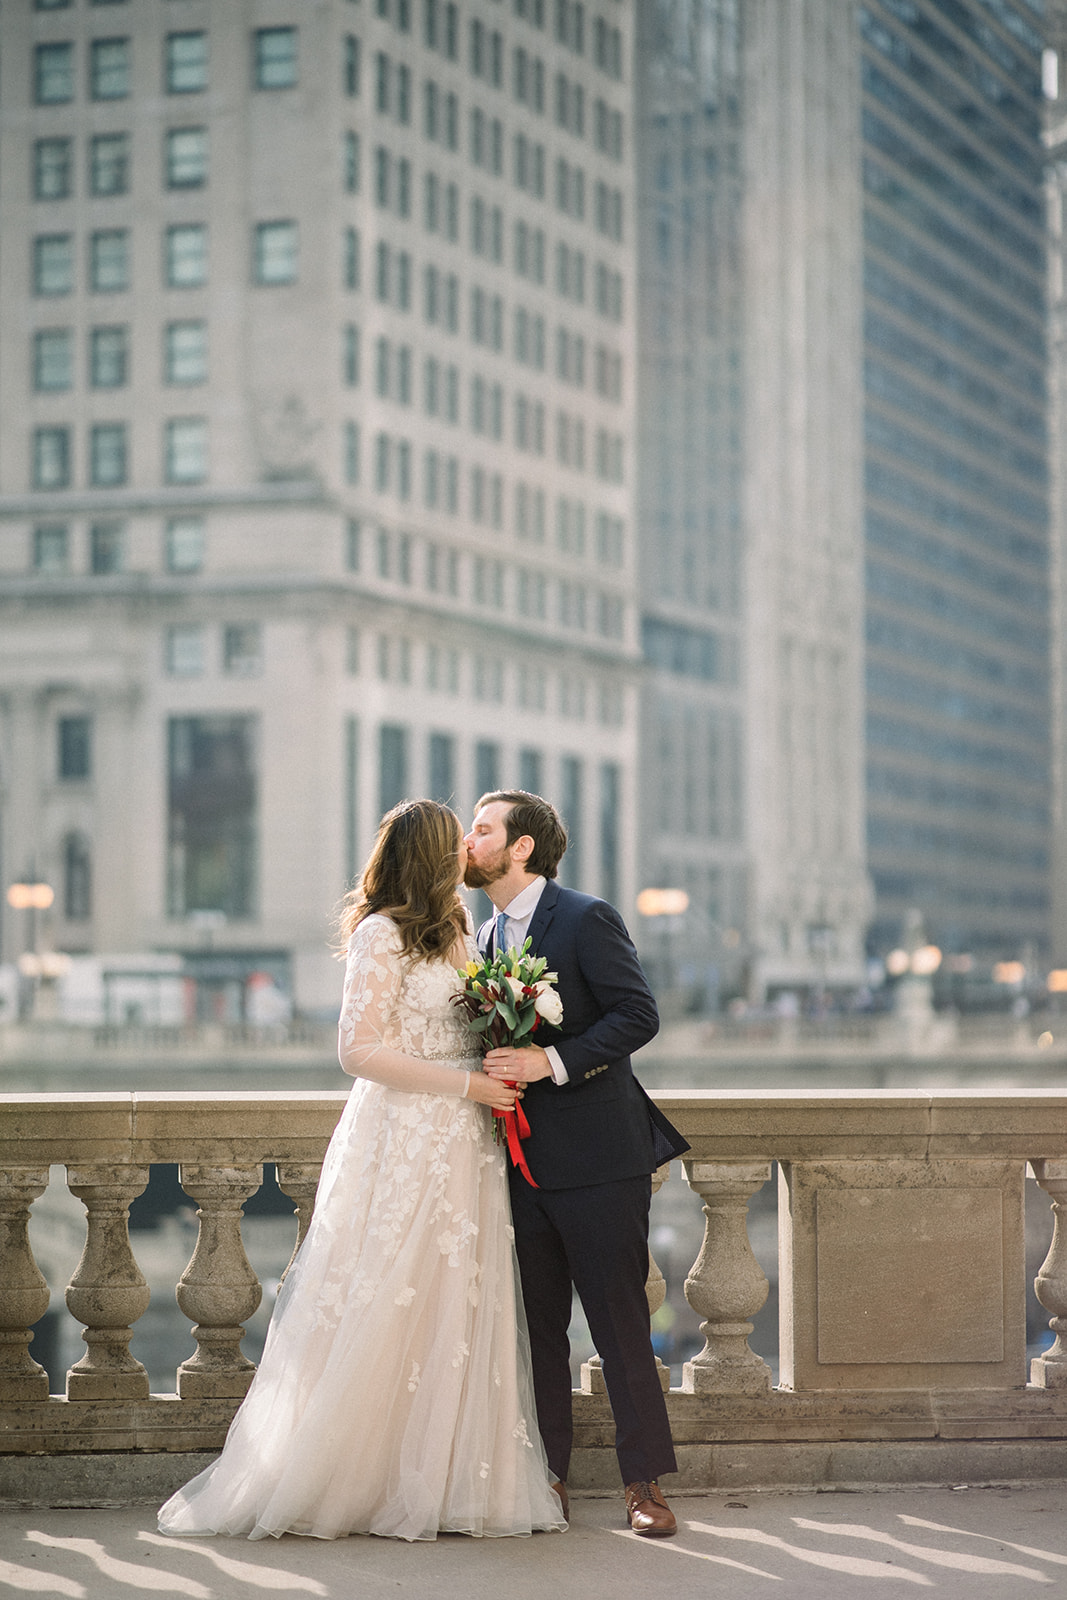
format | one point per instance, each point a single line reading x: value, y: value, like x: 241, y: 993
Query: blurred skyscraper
x: 843, y: 479
x: 317, y: 366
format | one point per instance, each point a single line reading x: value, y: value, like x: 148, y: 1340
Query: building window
x: 351, y: 451
x: 109, y: 164
x: 52, y: 359
x: 77, y: 878
x: 109, y: 69
x: 274, y: 58
x: 74, y: 748
x: 351, y: 162
x: 185, y: 162
x: 107, y: 548
x: 571, y: 809
x: 185, y: 450
x: 350, y: 265
x: 109, y: 260
x: 350, y: 362
x: 212, y: 823
x: 184, y: 652
x: 442, y: 768
x: 53, y: 263
x: 108, y: 357
x: 185, y: 352
x: 242, y: 649
x: 186, y: 255
x: 486, y: 766
x: 185, y: 63
x: 52, y: 169
x: 275, y: 252
x: 392, y: 766
x: 184, y: 544
x: 107, y: 455
x: 51, y: 458
x: 51, y: 549
x: 53, y: 74
x: 351, y: 68
x: 353, y: 544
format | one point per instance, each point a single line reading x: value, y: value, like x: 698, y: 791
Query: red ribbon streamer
x: 516, y: 1128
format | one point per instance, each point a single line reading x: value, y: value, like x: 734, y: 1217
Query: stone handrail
x: 900, y: 1243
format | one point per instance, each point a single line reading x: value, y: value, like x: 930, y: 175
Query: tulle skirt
x: 394, y: 1395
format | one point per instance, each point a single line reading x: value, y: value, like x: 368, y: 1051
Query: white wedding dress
x: 394, y: 1394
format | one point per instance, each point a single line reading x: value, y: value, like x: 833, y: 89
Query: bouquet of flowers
x: 508, y: 998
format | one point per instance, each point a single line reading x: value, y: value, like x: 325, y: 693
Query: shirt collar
x: 525, y: 902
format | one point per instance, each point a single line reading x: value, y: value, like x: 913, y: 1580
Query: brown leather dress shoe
x: 560, y: 1488
x: 649, y: 1513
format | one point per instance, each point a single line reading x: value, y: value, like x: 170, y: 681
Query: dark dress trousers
x: 594, y: 1143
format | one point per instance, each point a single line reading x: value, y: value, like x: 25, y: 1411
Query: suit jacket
x: 599, y: 1126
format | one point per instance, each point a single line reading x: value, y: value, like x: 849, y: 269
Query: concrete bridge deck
x: 995, y: 1542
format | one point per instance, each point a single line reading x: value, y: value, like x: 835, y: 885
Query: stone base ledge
x: 163, y: 1424
x: 143, y: 1478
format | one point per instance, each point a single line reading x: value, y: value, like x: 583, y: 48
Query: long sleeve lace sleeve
x: 374, y: 977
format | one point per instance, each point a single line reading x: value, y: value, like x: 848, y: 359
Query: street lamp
x: 30, y: 895
x: 671, y: 905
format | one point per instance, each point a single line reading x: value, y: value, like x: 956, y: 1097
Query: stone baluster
x: 655, y: 1293
x: 299, y: 1180
x: 726, y: 1285
x: 23, y: 1291
x: 218, y: 1291
x: 1050, y: 1370
x: 108, y: 1291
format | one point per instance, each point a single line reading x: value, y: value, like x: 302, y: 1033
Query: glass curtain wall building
x: 957, y: 575
x: 842, y: 414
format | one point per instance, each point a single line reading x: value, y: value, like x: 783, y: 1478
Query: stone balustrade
x: 901, y: 1281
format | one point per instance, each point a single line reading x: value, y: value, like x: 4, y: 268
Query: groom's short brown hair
x: 536, y: 817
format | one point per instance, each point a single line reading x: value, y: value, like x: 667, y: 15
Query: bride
x: 394, y: 1393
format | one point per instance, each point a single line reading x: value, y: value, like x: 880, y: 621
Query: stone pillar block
x: 902, y: 1274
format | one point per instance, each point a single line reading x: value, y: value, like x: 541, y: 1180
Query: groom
x: 595, y: 1139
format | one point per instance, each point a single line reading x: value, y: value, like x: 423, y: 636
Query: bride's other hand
x: 489, y: 1092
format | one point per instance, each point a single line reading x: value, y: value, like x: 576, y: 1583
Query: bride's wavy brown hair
x: 411, y: 877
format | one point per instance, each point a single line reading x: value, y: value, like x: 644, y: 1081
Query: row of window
x: 185, y: 454
x: 275, y: 258
x: 274, y: 65
x: 393, y: 458
x: 440, y: 31
x: 185, y: 163
x: 53, y: 545
x: 184, y: 356
x: 102, y: 548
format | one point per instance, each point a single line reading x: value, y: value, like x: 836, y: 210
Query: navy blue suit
x: 594, y: 1143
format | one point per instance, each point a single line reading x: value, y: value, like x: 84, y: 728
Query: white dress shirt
x: 519, y: 914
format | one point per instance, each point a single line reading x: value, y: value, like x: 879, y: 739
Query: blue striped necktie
x: 500, y: 937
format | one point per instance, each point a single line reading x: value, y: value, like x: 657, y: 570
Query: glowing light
x: 1057, y: 981
x: 1009, y: 972
x: 926, y: 961
x: 662, y: 902
x: 897, y: 963
x: 1045, y: 1041
x: 30, y: 896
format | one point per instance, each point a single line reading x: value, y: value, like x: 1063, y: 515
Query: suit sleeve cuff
x: 560, y: 1074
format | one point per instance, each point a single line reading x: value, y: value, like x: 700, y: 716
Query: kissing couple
x: 399, y: 1392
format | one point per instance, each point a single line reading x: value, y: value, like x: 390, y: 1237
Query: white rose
x: 548, y: 1004
x: 516, y: 986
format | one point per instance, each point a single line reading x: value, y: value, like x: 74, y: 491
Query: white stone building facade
x: 316, y: 472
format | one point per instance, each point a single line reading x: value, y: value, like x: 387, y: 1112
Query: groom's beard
x: 481, y: 877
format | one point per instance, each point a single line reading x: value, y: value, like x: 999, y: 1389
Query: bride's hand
x: 490, y: 1092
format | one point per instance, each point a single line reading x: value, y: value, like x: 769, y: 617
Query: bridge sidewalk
x: 999, y: 1542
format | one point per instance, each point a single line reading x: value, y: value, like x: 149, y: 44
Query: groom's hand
x: 524, y: 1065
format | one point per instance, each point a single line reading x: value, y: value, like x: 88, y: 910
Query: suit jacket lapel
x: 542, y: 916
